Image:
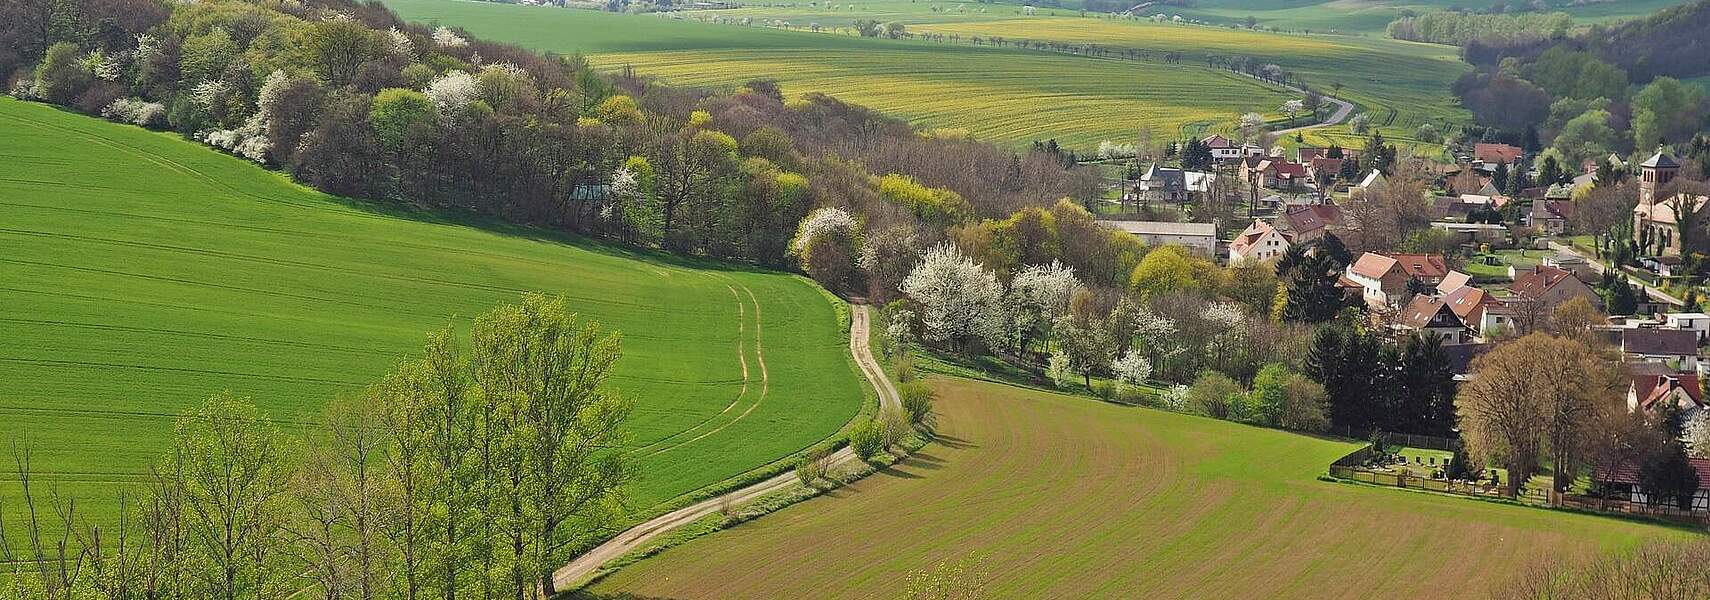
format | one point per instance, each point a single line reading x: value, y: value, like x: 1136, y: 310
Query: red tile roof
x: 1372, y: 265
x: 1304, y: 219
x: 1534, y: 283
x: 1423, y: 266
x: 1497, y: 153
x: 1651, y: 389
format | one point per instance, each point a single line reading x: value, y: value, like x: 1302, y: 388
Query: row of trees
x: 470, y: 471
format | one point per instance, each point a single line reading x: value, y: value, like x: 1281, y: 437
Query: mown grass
x: 141, y: 273
x: 1009, y: 96
x: 1058, y: 496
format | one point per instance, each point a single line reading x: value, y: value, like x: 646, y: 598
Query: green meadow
x: 141, y: 273
x: 1042, y: 495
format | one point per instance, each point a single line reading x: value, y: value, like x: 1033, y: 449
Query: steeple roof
x: 1660, y: 160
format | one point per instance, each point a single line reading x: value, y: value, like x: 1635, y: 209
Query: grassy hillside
x: 1372, y: 16
x: 141, y: 273
x: 1064, y: 497
x: 1004, y: 95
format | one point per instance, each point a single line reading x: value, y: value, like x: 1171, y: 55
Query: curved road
x: 1343, y: 107
x: 585, y: 565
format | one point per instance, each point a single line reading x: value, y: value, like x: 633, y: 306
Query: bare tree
x: 1534, y: 394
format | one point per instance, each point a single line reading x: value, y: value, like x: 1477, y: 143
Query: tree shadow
x: 953, y: 442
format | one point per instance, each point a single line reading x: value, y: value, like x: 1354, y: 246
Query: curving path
x: 631, y: 539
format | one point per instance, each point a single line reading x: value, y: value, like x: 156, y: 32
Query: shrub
x: 813, y: 466
x: 894, y: 428
x: 136, y: 111
x: 1133, y: 394
x: 1104, y: 389
x: 916, y: 401
x: 1213, y: 393
x: 903, y: 366
x: 867, y: 438
x: 1306, y: 406
x: 1175, y: 398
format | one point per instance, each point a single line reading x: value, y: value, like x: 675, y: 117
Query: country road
x: 1597, y: 265
x: 1343, y: 107
x: 584, y: 566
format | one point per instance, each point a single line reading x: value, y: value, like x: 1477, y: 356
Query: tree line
x: 471, y: 471
x: 350, y: 99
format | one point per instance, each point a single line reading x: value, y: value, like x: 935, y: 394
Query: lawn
x: 1058, y: 496
x: 141, y: 273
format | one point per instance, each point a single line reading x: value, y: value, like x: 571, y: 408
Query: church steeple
x: 1655, y: 173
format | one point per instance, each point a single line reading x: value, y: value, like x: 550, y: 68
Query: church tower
x: 1654, y: 174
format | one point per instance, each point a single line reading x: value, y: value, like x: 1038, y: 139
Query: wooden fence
x: 1656, y: 511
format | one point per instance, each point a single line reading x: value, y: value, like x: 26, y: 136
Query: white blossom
x: 1175, y: 397
x: 446, y: 38
x: 1223, y: 314
x: 960, y: 299
x: 453, y: 91
x: 249, y: 141
x: 899, y: 332
x: 1156, y: 334
x: 1108, y: 150
x: 1059, y: 369
x: 105, y: 68
x: 1252, y: 123
x: 148, y: 47
x: 400, y: 43
x: 136, y: 111
x: 1131, y: 368
x: 208, y: 92
x: 267, y: 99
x: 820, y: 222
x: 1697, y: 435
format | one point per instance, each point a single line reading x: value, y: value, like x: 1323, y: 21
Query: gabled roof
x: 1306, y: 219
x: 1468, y: 302
x: 1423, y: 266
x: 1660, y: 160
x: 1373, y: 178
x: 1250, y: 236
x: 1552, y: 209
x: 1462, y: 355
x: 1628, y: 472
x: 1649, y: 389
x: 1372, y: 265
x: 1216, y: 141
x: 1664, y: 211
x: 1429, y: 311
x: 1659, y: 342
x: 1497, y: 153
x: 1537, y: 281
x: 1326, y: 164
x: 1307, y: 153
x: 1163, y: 228
x: 1453, y: 281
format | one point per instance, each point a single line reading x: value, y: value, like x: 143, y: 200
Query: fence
x: 1411, y: 440
x: 1656, y: 511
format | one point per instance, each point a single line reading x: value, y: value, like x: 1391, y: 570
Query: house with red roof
x: 1259, y: 242
x: 1549, y: 287
x: 1221, y: 148
x: 1497, y: 154
x: 1309, y: 222
x: 1383, y: 277
x: 1433, y: 315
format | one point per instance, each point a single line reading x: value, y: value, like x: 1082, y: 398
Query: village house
x: 1656, y: 220
x: 1550, y: 216
x: 1259, y: 242
x: 1475, y: 233
x: 1677, y: 348
x: 1383, y: 278
x: 1432, y: 315
x: 1170, y: 184
x: 1309, y: 223
x: 1622, y: 483
x: 1323, y: 170
x: 1221, y: 148
x: 1372, y: 184
x: 1275, y: 173
x: 1544, y: 288
x: 1487, y: 157
x: 1199, y: 238
x: 1572, y: 263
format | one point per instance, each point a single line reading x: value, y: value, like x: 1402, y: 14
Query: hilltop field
x: 1008, y: 95
x: 141, y: 273
x: 1057, y: 496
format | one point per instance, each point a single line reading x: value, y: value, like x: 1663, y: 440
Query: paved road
x: 585, y: 565
x: 1343, y: 107
x: 1597, y: 265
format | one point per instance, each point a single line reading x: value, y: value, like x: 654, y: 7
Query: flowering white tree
x: 1108, y: 150
x: 899, y: 332
x: 1175, y: 398
x: 1228, y: 326
x: 136, y: 111
x: 205, y: 94
x: 1156, y: 335
x: 961, y: 300
x: 1060, y: 369
x: 1131, y: 369
x: 1698, y: 436
x: 400, y: 43
x: 453, y: 91
x: 1252, y: 124
x: 446, y: 38
x: 1360, y: 123
x: 1292, y: 108
x: 822, y: 221
x: 1038, y: 294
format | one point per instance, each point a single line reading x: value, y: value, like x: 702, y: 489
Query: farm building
x: 1200, y: 238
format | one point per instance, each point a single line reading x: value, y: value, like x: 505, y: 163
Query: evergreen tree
x: 1500, y: 177
x: 1196, y: 156
x: 1332, y: 247
x: 1426, y: 390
